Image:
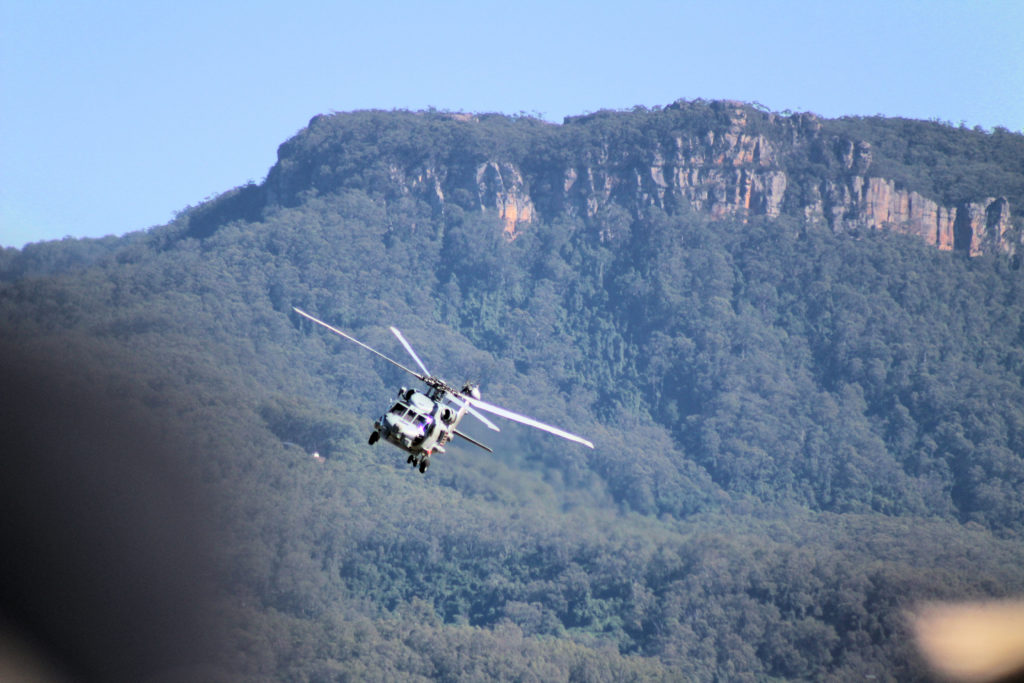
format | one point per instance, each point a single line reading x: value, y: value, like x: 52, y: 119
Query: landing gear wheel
x: 411, y: 459
x: 424, y: 464
x: 373, y: 437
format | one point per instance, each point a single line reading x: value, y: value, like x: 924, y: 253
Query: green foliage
x: 950, y: 164
x: 800, y: 435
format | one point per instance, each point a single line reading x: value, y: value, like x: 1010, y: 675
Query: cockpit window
x: 420, y: 420
x: 399, y: 410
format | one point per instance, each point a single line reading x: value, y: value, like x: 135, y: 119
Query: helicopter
x: 422, y: 423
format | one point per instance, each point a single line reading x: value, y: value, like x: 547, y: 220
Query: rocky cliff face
x: 876, y: 203
x: 725, y: 159
x: 722, y: 172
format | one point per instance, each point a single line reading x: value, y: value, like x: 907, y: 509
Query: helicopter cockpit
x: 411, y: 416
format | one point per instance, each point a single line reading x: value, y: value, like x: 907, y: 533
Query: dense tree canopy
x: 800, y: 435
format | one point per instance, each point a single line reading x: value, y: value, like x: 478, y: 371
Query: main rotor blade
x: 423, y: 367
x: 526, y: 421
x: 408, y: 347
x: 335, y: 330
x: 478, y: 415
x: 473, y: 412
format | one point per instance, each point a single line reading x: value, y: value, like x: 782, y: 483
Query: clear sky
x: 115, y: 115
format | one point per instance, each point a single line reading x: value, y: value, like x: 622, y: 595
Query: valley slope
x: 797, y: 343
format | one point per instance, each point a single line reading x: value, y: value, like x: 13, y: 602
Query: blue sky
x: 115, y: 115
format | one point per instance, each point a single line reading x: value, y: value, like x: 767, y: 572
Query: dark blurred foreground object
x: 104, y: 573
x: 975, y: 642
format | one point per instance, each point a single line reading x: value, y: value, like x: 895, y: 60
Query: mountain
x: 808, y: 418
x: 722, y: 158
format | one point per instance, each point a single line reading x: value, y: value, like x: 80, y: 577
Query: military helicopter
x: 423, y: 423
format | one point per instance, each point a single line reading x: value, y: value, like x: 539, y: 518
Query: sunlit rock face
x: 723, y: 159
x: 876, y: 203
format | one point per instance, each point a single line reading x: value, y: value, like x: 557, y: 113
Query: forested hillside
x: 804, y: 428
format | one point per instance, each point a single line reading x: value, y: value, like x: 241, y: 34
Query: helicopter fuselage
x: 418, y: 423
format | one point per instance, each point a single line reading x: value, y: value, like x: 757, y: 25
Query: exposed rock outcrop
x: 725, y: 159
x: 877, y: 204
x: 501, y: 187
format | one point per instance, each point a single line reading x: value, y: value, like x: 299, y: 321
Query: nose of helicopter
x: 399, y: 429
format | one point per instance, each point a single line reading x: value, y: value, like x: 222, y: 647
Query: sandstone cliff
x: 726, y: 159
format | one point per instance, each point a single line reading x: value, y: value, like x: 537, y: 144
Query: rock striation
x: 877, y: 204
x: 724, y: 159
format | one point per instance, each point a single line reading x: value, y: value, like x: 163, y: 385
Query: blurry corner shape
x: 23, y: 662
x: 977, y: 642
x: 106, y: 569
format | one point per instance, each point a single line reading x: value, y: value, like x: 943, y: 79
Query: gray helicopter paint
x: 416, y: 422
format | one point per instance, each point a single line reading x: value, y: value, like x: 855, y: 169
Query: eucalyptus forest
x: 802, y: 433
